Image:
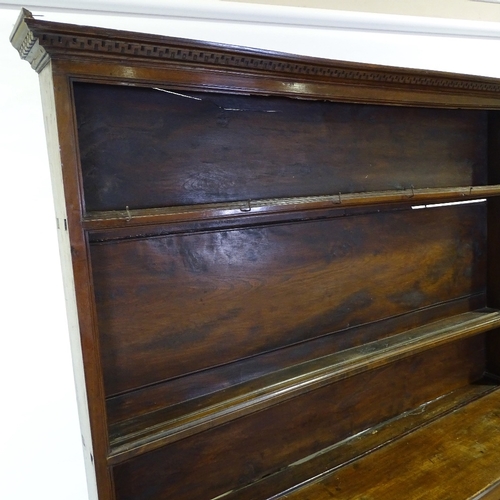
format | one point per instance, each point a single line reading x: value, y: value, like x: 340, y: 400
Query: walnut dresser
x: 282, y: 273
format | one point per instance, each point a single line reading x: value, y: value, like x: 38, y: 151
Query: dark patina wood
x: 261, y: 288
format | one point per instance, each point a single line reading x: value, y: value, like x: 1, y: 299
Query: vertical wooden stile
x: 73, y: 247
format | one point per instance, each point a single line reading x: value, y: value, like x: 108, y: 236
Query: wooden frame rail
x: 135, y: 217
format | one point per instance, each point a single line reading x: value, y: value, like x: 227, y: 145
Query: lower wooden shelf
x: 151, y: 431
x: 454, y: 457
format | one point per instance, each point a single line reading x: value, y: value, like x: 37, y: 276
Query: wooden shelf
x: 149, y: 432
x: 329, y: 461
x: 139, y: 217
x: 455, y: 456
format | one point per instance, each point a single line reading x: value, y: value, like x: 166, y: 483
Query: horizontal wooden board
x: 145, y: 148
x: 173, y: 305
x: 247, y: 449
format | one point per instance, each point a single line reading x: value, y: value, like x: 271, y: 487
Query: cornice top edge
x: 37, y: 41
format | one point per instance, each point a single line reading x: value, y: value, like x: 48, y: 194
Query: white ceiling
x: 475, y: 10
x: 464, y: 18
x: 467, y: 10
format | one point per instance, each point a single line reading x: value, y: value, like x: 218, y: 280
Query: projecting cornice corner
x: 26, y: 42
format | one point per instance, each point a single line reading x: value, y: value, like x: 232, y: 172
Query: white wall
x: 41, y: 455
x: 41, y: 446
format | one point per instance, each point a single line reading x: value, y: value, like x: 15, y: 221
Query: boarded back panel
x: 146, y: 148
x: 176, y: 304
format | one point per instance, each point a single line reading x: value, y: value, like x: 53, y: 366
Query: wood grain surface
x: 375, y: 438
x: 454, y: 458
